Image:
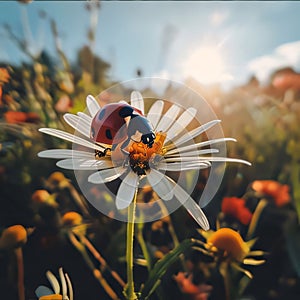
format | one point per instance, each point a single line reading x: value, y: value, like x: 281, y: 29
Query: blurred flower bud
x: 13, y: 237
x: 72, y: 218
x: 63, y: 104
x: 57, y: 180
x: 43, y: 197
x: 40, y: 196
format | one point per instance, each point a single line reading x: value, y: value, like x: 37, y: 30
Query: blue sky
x: 211, y: 41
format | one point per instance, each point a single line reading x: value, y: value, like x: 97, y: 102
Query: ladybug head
x: 148, y: 139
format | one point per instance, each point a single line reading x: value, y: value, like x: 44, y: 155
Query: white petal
x: 43, y: 291
x: 183, y: 166
x: 85, y: 117
x: 168, y: 118
x: 127, y: 190
x: 92, y: 105
x: 226, y: 159
x: 70, y: 287
x: 84, y: 164
x: 155, y: 112
x: 195, y: 153
x: 71, y: 138
x: 106, y: 175
x: 192, y: 134
x: 160, y: 184
x: 137, y: 101
x: 78, y: 124
x: 199, y: 145
x: 191, y: 206
x: 206, y: 158
x: 63, y: 283
x: 184, y: 120
x: 53, y: 281
x: 185, y: 159
x: 65, y: 153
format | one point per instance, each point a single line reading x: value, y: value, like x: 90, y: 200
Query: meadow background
x: 242, y: 57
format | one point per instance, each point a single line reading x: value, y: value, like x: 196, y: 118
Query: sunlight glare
x: 206, y: 65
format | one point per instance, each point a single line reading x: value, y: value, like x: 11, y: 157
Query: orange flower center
x: 140, y: 154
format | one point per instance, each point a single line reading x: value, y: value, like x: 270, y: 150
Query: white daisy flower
x: 63, y: 291
x: 120, y: 142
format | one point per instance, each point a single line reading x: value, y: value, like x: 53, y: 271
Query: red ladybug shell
x: 109, y: 126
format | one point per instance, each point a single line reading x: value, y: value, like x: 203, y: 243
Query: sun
x: 206, y: 64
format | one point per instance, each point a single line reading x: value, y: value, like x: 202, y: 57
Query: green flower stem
x: 255, y: 217
x: 129, y: 290
x: 170, y: 225
x: 296, y: 187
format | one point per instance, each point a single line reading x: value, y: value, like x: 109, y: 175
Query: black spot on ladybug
x: 101, y: 114
x: 92, y: 132
x: 108, y: 134
x: 125, y: 111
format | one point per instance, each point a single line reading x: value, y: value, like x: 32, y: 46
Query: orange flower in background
x: 63, y: 104
x: 4, y: 76
x: 196, y: 292
x: 287, y: 79
x: 235, y: 207
x: 279, y: 192
x: 14, y: 117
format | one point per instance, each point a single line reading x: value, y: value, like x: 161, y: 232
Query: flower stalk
x: 20, y: 264
x: 97, y: 273
x: 129, y: 290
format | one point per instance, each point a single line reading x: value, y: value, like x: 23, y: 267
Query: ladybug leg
x: 107, y: 150
x: 99, y: 153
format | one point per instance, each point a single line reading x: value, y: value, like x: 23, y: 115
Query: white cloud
x: 286, y: 55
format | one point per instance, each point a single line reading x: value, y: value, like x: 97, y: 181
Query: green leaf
x: 295, y: 176
x: 162, y: 266
x: 293, y: 247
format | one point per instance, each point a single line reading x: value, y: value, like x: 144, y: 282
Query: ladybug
x: 120, y: 122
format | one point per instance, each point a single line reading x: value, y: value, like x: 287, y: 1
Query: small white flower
x: 173, y: 150
x: 63, y: 291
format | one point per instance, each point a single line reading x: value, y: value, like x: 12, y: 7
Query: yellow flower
x: 227, y: 245
x: 230, y: 242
